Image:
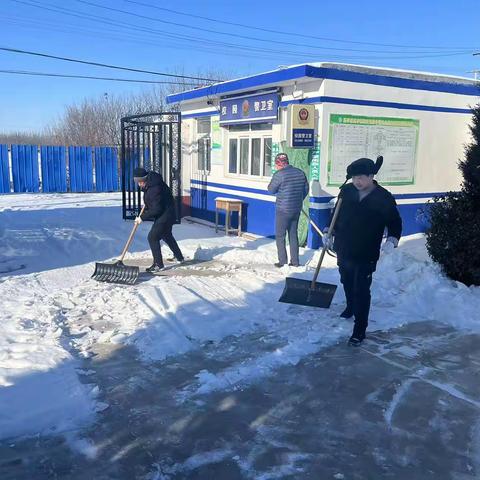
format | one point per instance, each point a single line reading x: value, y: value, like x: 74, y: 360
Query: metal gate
x: 151, y: 141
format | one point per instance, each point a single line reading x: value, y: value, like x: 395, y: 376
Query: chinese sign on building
x: 352, y: 137
x: 216, y: 154
x: 252, y: 108
x: 315, y: 162
x: 301, y: 131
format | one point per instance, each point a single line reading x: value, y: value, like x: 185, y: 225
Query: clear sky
x: 437, y: 36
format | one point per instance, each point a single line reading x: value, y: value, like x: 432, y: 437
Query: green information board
x: 352, y: 137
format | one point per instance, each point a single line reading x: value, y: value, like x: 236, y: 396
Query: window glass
x: 255, y: 155
x: 232, y: 157
x: 203, y: 126
x: 267, y: 157
x: 244, y: 160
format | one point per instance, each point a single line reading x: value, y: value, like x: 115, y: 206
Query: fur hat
x: 139, y: 174
x: 364, y: 166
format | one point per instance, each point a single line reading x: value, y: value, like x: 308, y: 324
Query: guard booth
x: 151, y: 141
x: 324, y: 116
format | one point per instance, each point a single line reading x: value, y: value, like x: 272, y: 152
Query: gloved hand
x: 138, y: 220
x: 327, y: 240
x: 389, y: 245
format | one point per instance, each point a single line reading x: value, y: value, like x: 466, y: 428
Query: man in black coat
x: 367, y: 210
x: 159, y: 207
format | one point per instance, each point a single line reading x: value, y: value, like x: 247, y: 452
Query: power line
x: 62, y: 75
x: 230, y: 34
x: 282, y: 32
x: 105, y: 65
x: 197, y: 40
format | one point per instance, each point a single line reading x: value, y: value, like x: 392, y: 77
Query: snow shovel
x: 316, y: 227
x: 118, y: 272
x: 312, y: 293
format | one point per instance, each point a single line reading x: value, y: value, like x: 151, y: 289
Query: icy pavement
x: 406, y: 405
x: 206, y: 375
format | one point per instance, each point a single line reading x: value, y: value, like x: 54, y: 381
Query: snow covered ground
x: 54, y: 316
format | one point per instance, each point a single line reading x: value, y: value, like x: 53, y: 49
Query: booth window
x: 204, y: 154
x: 203, y: 144
x: 250, y: 150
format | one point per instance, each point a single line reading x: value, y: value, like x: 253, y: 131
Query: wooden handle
x: 130, y: 238
x: 314, y: 225
x: 324, y: 249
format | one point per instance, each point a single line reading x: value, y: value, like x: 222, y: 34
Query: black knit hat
x: 364, y: 166
x: 139, y: 174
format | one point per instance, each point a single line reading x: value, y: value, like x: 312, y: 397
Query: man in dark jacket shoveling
x: 159, y: 207
x: 291, y: 187
x: 366, y: 210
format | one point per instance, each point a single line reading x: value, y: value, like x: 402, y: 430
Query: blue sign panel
x: 248, y: 109
x: 303, y: 137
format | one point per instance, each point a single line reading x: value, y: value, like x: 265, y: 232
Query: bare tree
x: 96, y: 121
x: 26, y: 138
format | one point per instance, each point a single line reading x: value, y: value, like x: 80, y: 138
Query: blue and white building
x: 232, y: 130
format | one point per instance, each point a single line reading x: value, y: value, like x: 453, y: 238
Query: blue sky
x: 86, y: 31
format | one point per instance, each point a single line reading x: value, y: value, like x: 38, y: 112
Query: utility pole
x: 475, y: 72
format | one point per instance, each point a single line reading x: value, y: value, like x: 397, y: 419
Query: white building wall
x: 442, y: 135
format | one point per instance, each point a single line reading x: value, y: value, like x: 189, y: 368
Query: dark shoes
x: 347, y: 313
x: 279, y: 265
x: 356, y: 341
x: 291, y: 264
x: 358, y: 336
x: 155, y: 268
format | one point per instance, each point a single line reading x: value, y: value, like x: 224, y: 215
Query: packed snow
x: 53, y: 312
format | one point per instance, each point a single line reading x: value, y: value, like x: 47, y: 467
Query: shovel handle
x: 130, y: 238
x: 314, y: 225
x: 324, y: 249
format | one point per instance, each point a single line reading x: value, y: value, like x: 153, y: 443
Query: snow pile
x: 39, y: 386
x: 53, y: 314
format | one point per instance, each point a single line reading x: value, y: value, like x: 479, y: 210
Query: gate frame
x: 172, y: 177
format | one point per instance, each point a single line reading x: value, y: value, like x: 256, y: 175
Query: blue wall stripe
x: 199, y: 114
x: 230, y: 187
x: 292, y: 73
x: 241, y: 84
x: 356, y: 101
x: 4, y: 170
x: 465, y: 88
x: 376, y: 103
x: 323, y: 199
x: 258, y: 215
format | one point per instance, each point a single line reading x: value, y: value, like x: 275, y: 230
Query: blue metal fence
x: 106, y: 169
x: 80, y: 169
x: 25, y: 169
x: 54, y: 169
x: 59, y: 169
x: 4, y: 171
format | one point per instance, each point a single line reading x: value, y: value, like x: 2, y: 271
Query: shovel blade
x: 115, y: 273
x: 300, y: 292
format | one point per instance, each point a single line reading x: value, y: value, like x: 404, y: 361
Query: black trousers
x: 162, y: 230
x: 356, y: 278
